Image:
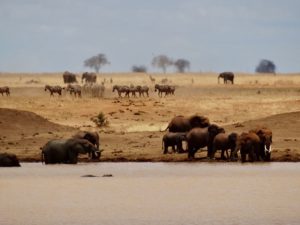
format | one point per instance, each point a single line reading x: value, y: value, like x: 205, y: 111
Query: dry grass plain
x: 134, y: 127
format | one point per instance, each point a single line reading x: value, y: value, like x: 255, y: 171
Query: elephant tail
x: 165, y: 128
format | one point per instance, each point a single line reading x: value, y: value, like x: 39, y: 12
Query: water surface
x: 150, y: 193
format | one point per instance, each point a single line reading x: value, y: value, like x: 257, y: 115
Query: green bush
x: 100, y: 120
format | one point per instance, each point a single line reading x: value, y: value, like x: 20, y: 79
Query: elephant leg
x: 165, y: 148
x: 212, y: 154
x: 209, y: 151
x: 191, y: 153
x: 243, y: 156
x: 179, y: 147
x: 173, y: 148
x: 223, y: 154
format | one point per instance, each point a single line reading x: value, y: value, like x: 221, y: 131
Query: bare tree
x: 266, y: 66
x: 162, y: 62
x: 181, y: 65
x: 96, y: 62
x: 139, y: 69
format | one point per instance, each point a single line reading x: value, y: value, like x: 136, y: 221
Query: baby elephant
x: 223, y: 142
x: 173, y: 139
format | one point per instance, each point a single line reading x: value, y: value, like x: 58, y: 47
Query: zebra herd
x: 92, y: 90
x: 127, y: 90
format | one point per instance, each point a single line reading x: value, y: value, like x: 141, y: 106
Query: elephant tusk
x: 268, y: 150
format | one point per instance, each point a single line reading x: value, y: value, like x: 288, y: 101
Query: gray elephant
x: 248, y: 145
x: 9, y: 160
x: 227, y: 76
x: 223, y: 142
x: 92, y: 137
x: 69, y: 77
x: 185, y: 124
x: 67, y: 150
x: 89, y: 77
x: 173, y: 140
x: 201, y: 137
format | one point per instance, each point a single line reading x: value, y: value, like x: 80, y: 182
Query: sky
x: 214, y: 35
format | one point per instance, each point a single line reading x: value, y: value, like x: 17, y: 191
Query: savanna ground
x: 135, y: 124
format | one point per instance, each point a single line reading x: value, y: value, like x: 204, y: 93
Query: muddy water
x: 150, y: 193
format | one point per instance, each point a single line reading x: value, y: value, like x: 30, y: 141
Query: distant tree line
x: 163, y: 62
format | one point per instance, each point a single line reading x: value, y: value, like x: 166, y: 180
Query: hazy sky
x: 214, y: 35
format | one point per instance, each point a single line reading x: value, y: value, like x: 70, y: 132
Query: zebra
x: 162, y: 89
x: 5, y: 89
x: 74, y: 89
x: 97, y: 90
x: 121, y: 89
x: 53, y: 89
x: 142, y: 89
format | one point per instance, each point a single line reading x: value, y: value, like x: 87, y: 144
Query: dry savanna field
x: 29, y: 117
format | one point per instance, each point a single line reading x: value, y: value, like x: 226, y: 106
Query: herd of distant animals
x: 90, y: 80
x: 196, y: 131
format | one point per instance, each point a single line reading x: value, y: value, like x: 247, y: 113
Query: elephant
x: 92, y: 137
x: 223, y: 142
x: 265, y: 144
x: 173, y: 139
x: 202, y: 137
x: 66, y: 150
x: 69, y: 77
x: 9, y: 160
x: 185, y: 124
x: 89, y: 77
x: 5, y: 90
x: 248, y: 144
x: 227, y: 76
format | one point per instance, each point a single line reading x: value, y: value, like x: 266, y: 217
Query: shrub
x: 100, y: 120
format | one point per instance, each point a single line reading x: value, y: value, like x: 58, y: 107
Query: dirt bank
x: 25, y: 132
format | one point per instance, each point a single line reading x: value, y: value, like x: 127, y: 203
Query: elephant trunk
x: 96, y: 154
x: 219, y: 79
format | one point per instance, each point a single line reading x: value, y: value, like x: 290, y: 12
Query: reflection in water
x: 150, y: 193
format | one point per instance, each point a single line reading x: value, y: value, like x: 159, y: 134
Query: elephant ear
x: 199, y: 121
x: 88, y: 136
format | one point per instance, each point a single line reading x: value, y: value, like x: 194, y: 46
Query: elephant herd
x: 62, y: 150
x: 198, y: 132
x: 67, y: 150
x: 69, y: 77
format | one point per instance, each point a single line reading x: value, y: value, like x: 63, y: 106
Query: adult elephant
x: 227, y: 76
x: 92, y: 137
x: 9, y: 160
x: 69, y: 77
x: 67, y: 150
x: 185, y: 124
x: 223, y: 142
x: 265, y: 142
x: 89, y: 77
x: 201, y: 137
x: 248, y: 144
